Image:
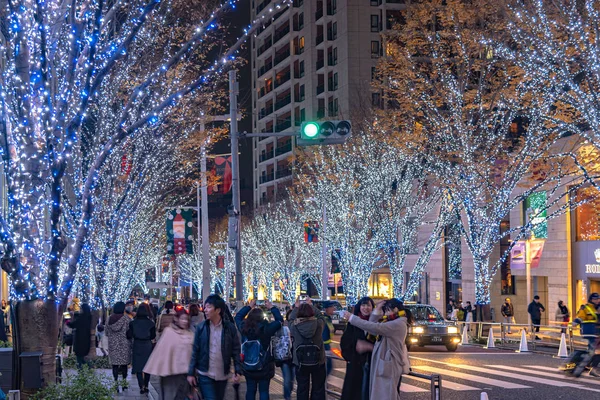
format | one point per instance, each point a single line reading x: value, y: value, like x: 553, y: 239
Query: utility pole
x: 235, y: 187
x: 325, y: 270
x: 205, y: 239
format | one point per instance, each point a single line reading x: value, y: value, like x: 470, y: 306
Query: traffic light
x: 324, y: 132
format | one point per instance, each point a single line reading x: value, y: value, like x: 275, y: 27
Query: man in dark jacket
x: 82, y: 335
x: 216, y: 343
x: 508, y: 313
x: 535, y: 310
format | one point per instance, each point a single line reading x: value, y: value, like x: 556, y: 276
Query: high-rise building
x: 310, y: 61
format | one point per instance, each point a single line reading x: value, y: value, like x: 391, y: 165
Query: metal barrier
x: 436, y: 384
x: 548, y: 334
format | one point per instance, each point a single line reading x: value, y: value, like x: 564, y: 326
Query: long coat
x: 142, y: 331
x: 390, y: 356
x: 356, y: 363
x: 82, y: 334
x: 119, y: 347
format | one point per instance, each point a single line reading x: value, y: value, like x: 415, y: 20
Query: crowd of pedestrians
x: 196, y: 351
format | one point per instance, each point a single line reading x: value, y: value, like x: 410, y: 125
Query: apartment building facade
x: 311, y: 61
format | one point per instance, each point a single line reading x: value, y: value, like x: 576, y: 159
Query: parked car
x: 339, y: 323
x: 431, y: 329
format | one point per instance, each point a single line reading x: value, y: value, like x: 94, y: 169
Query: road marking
x: 447, y: 384
x: 469, y: 377
x: 560, y: 374
x: 543, y: 381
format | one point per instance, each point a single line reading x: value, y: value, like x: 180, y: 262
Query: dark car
x: 431, y: 329
x: 339, y: 323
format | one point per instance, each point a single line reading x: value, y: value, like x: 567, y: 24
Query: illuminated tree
x: 476, y: 125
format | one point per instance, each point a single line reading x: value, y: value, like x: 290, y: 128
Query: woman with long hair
x: 119, y: 347
x: 142, y: 331
x: 251, y: 322
x: 356, y: 350
x: 166, y: 317
x: 171, y: 357
x: 389, y: 323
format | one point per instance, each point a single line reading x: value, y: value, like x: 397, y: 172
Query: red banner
x: 221, y: 169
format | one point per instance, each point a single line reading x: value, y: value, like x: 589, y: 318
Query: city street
x: 471, y: 370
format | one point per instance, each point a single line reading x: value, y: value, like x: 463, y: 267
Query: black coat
x: 3, y: 337
x: 230, y: 348
x: 82, y: 333
x: 356, y: 363
x: 266, y: 330
x: 142, y: 331
x: 535, y: 310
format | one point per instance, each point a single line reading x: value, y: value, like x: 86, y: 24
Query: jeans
x: 287, y: 370
x: 262, y: 386
x: 143, y: 379
x: 307, y: 375
x: 211, y: 389
x: 329, y: 362
x: 509, y: 320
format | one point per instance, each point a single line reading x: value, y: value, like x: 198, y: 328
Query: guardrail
x: 506, y: 335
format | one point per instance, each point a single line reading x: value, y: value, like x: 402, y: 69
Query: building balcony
x: 264, y: 112
x: 282, y: 173
x: 320, y: 89
x: 319, y: 14
x: 321, y: 113
x: 299, y: 97
x: 267, y: 177
x: 331, y: 60
x: 281, y: 33
x: 279, y: 57
x: 262, y: 6
x: 298, y: 50
x: 281, y: 79
x: 264, y: 91
x: 320, y: 64
x: 319, y: 39
x: 266, y: 46
x: 286, y: 148
x: 264, y: 69
x: 283, y: 125
x: 267, y: 155
x: 283, y: 102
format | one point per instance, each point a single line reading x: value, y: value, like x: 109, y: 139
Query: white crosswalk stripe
x: 472, y: 377
x: 555, y: 374
x: 446, y: 384
x: 561, y: 374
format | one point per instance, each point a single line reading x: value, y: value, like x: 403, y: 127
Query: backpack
x: 308, y: 353
x: 254, y: 357
x: 281, y: 345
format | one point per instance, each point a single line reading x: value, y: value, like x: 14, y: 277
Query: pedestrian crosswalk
x: 463, y: 377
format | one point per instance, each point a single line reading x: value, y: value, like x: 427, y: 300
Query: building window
x: 376, y: 99
x: 374, y: 48
x: 587, y: 215
x: 331, y: 7
x: 301, y: 44
x: 374, y: 23
x: 374, y: 3
x: 373, y: 73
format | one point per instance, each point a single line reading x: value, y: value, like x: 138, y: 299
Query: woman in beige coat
x: 171, y: 358
x: 390, y: 356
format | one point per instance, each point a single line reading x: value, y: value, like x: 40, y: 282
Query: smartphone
x: 67, y: 315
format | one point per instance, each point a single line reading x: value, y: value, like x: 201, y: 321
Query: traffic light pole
x: 235, y: 185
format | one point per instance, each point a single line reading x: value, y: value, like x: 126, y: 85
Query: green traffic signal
x: 311, y: 129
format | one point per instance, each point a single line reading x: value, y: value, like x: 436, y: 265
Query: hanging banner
x: 222, y: 170
x: 518, y: 256
x: 220, y: 262
x: 180, y: 231
x: 535, y: 207
x: 536, y: 247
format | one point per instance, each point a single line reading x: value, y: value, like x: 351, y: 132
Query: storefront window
x: 380, y: 285
x: 587, y: 215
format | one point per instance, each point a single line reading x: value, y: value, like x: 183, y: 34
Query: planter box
x: 6, y: 369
